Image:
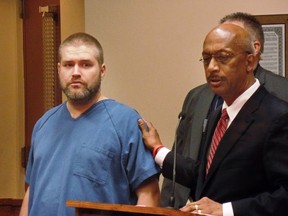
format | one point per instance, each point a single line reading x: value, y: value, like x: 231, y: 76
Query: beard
x: 84, y: 94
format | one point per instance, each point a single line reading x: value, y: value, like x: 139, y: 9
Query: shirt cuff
x: 227, y: 209
x: 160, y: 156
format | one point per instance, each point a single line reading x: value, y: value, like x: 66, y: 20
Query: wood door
x: 41, y: 38
x: 10, y: 207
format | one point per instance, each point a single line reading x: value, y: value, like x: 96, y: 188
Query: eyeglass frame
x: 217, y: 56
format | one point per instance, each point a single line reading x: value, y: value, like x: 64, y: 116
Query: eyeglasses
x: 221, y: 57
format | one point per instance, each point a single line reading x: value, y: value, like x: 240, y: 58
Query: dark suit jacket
x: 250, y: 167
x: 195, y: 107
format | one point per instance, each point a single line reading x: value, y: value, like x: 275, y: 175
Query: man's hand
x: 150, y: 135
x: 204, y: 206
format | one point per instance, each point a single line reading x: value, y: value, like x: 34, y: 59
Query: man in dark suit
x: 200, y: 101
x: 249, y: 172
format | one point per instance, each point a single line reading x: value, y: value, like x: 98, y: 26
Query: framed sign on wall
x: 274, y: 57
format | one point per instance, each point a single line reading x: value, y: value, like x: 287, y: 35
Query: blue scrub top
x: 99, y: 156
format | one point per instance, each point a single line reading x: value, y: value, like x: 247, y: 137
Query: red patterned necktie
x: 218, y: 133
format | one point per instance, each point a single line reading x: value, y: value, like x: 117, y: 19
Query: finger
x: 188, y: 208
x: 143, y: 125
x: 191, y: 207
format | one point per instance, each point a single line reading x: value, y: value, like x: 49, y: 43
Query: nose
x: 76, y: 70
x: 213, y: 65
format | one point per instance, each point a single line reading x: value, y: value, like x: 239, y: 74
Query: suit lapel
x: 200, y: 112
x: 237, y: 129
x: 212, y: 122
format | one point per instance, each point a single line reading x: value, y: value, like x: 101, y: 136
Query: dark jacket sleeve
x: 186, y: 169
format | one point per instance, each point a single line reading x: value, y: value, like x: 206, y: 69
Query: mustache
x: 214, y: 78
x: 75, y: 80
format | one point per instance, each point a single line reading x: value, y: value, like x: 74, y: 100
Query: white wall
x: 152, y: 48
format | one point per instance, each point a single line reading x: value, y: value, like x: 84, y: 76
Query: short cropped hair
x: 253, y: 26
x: 86, y: 39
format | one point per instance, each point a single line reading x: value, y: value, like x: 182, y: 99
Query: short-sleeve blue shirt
x: 98, y: 157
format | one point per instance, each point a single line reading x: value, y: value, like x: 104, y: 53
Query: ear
x: 103, y: 71
x: 257, y: 47
x: 251, y: 63
x: 58, y: 67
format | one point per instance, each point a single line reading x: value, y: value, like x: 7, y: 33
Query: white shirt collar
x: 235, y: 107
